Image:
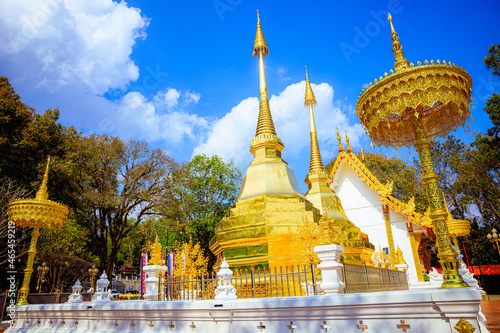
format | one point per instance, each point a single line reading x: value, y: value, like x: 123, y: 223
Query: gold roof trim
x: 364, y: 174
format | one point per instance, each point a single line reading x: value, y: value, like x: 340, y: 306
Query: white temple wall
x: 402, y: 239
x: 423, y: 311
x: 363, y: 207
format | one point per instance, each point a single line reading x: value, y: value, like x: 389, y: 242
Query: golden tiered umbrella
x: 35, y: 213
x: 412, y: 106
x: 457, y: 228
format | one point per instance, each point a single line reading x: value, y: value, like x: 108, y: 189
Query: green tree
x: 119, y: 185
x: 204, y: 191
x: 27, y: 138
x: 9, y: 192
x: 488, y: 157
x: 452, y: 162
x: 66, y: 251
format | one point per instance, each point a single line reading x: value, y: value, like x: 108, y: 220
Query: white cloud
x: 231, y: 135
x: 65, y: 42
x: 282, y: 74
x: 167, y: 99
x: 135, y: 114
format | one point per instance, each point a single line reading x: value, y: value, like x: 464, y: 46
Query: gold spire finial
x: 397, y: 48
x: 310, y: 99
x: 362, y: 155
x: 260, y: 41
x: 42, y: 192
x: 316, y: 164
x: 349, y: 149
x: 265, y: 124
x: 341, y: 148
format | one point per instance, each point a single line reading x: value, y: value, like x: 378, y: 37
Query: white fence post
x: 331, y: 268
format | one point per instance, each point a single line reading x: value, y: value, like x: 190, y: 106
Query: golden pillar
x: 35, y: 213
x: 412, y: 106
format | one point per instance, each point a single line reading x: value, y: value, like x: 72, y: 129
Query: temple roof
x: 383, y: 191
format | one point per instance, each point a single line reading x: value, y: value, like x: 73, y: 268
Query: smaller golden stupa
x: 155, y: 253
x: 337, y: 228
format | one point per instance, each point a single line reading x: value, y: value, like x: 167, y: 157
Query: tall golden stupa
x: 271, y: 207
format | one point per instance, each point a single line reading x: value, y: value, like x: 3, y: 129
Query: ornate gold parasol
x: 457, y: 228
x: 412, y: 106
x: 35, y: 213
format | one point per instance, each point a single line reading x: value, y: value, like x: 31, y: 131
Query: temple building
x: 389, y: 223
x: 270, y: 206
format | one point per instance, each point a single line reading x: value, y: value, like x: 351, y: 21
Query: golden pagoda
x: 335, y: 224
x: 270, y: 205
x: 155, y: 253
x: 35, y: 213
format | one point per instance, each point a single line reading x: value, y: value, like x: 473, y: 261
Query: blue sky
x: 180, y: 74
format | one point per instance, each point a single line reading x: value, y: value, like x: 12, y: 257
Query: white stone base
x: 424, y: 310
x: 423, y: 285
x: 152, y: 271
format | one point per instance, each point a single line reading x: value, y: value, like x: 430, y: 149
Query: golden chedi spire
x: 265, y: 125
x: 397, y: 48
x: 267, y: 173
x: 335, y: 225
x: 42, y: 192
x: 319, y: 193
x: 316, y: 164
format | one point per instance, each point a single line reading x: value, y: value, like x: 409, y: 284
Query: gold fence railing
x: 362, y: 278
x: 299, y: 280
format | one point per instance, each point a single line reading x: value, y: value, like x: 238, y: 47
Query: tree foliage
x: 9, y: 192
x: 204, y: 190
x: 116, y: 181
x: 27, y: 138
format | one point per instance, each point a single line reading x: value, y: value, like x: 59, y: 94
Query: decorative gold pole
x: 35, y: 213
x: 412, y: 106
x: 447, y: 257
x: 25, y: 289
